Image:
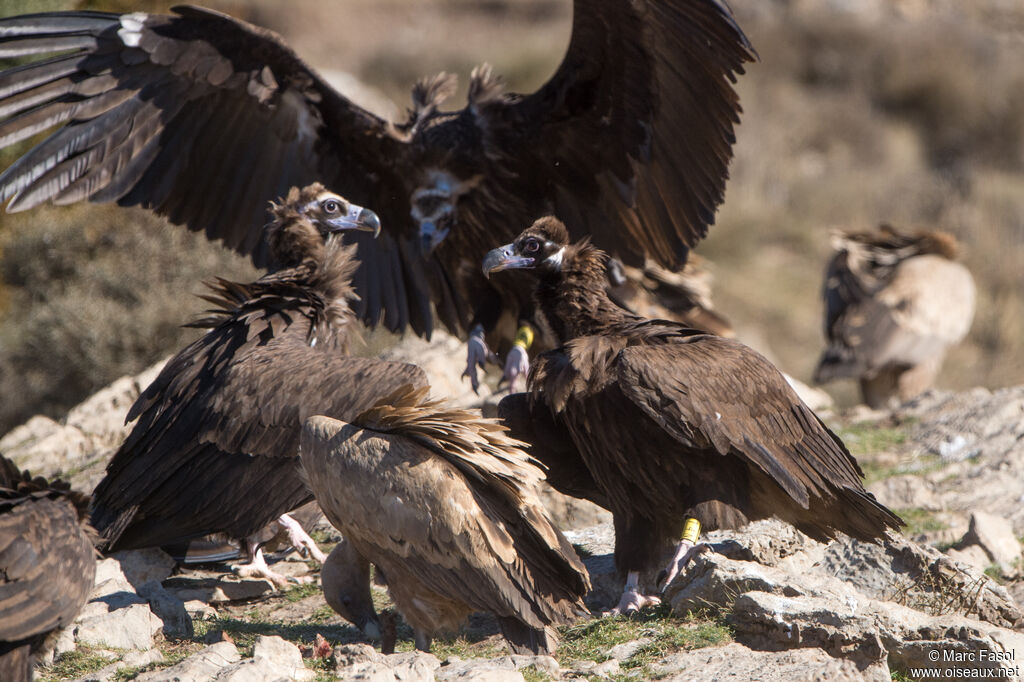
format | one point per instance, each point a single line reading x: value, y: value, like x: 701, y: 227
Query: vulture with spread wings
x: 204, y: 118
x: 659, y: 422
x: 895, y: 301
x: 47, y: 564
x: 215, y: 447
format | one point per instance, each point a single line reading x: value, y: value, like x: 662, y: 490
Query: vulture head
x: 539, y: 247
x: 304, y: 219
x: 434, y: 205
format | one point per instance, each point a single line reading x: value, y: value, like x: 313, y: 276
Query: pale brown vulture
x: 895, y: 301
x: 215, y: 447
x: 47, y: 564
x: 670, y: 422
x: 443, y: 502
x: 204, y: 118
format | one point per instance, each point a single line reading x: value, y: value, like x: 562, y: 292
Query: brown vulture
x: 665, y: 422
x: 443, y: 502
x: 47, y: 564
x: 204, y: 118
x: 894, y: 302
x: 215, y: 447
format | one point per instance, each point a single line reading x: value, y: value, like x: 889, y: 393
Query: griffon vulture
x: 204, y: 118
x: 894, y: 302
x: 215, y: 446
x: 443, y: 502
x: 47, y: 564
x: 670, y: 422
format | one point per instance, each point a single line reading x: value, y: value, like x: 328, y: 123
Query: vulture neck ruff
x: 573, y: 298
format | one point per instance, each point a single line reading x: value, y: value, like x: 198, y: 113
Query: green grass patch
x: 919, y: 466
x: 300, y: 592
x: 867, y: 438
x: 667, y: 633
x: 532, y: 674
x: 81, y: 661
x: 920, y: 521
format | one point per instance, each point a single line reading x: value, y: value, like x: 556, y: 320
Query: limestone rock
x: 971, y: 555
x: 131, y: 627
x: 906, y: 492
x: 479, y: 670
x: 141, y: 566
x: 200, y: 667
x: 220, y: 590
x: 168, y: 608
x: 272, y: 659
x: 363, y: 662
x: 737, y: 662
x: 994, y: 535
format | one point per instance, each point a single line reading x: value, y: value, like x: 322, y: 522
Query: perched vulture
x: 215, y: 447
x: 653, y: 291
x: 894, y: 302
x: 443, y: 502
x: 663, y: 422
x: 204, y: 118
x: 47, y: 564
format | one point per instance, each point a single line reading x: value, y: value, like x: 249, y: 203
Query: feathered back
x: 18, y: 486
x: 478, y: 447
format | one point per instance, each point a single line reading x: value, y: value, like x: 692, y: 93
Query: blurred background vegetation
x: 906, y: 111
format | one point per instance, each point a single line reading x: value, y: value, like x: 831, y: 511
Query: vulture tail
x: 524, y: 639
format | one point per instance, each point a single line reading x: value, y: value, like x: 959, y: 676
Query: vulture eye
x: 332, y: 206
x: 531, y: 245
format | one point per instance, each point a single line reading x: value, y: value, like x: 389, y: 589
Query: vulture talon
x: 517, y: 365
x: 477, y: 355
x: 258, y: 568
x: 301, y: 540
x: 685, y: 553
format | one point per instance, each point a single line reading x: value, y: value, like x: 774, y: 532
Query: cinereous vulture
x: 670, y: 423
x: 895, y: 301
x: 204, y: 118
x: 215, y: 447
x: 47, y: 564
x: 443, y: 502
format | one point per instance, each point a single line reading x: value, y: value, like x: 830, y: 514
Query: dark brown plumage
x: 215, y: 445
x: 895, y: 301
x: 204, y: 118
x: 671, y: 422
x: 443, y: 502
x: 47, y: 564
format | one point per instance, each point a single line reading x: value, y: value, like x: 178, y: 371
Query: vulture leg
x: 422, y: 640
x: 388, y: 631
x: 517, y: 364
x: 632, y: 601
x: 300, y: 539
x: 685, y: 552
x: 257, y: 567
x: 477, y: 355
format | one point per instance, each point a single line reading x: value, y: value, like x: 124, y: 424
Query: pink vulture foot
x: 632, y: 601
x: 517, y: 365
x: 257, y: 568
x: 686, y: 551
x: 300, y: 539
x: 477, y: 355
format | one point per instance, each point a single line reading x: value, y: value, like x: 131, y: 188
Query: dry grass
x: 917, y: 119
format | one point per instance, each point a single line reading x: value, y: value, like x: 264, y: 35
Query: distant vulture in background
x: 661, y: 422
x: 443, y: 502
x: 684, y: 296
x: 204, y: 118
x: 47, y: 564
x: 895, y: 301
x: 215, y: 448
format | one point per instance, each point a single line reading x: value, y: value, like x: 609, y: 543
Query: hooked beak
x: 432, y: 234
x: 504, y: 258
x: 357, y: 218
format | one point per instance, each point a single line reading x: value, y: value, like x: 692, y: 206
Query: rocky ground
x: 767, y: 603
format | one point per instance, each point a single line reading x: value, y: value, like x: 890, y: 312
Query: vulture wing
x: 652, y: 82
x: 47, y: 560
x: 744, y: 407
x: 205, y: 119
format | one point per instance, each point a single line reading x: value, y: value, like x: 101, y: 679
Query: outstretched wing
x: 633, y: 133
x: 202, y: 118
